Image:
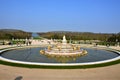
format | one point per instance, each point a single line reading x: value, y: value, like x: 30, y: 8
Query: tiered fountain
x: 63, y: 52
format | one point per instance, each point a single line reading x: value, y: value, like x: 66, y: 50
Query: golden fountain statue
x: 63, y: 52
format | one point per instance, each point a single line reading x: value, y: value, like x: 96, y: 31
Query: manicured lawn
x: 60, y: 67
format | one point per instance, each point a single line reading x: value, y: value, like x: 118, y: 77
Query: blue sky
x: 99, y: 16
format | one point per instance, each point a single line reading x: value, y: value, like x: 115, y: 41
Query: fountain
x: 63, y: 52
x: 59, y: 54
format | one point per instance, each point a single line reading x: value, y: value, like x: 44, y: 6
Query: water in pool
x: 33, y: 55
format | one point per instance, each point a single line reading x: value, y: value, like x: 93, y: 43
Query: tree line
x: 11, y: 33
x: 19, y: 34
x: 106, y: 37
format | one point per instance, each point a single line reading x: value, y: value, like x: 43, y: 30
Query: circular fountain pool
x: 33, y: 55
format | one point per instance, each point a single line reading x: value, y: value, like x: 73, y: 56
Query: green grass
x: 60, y: 67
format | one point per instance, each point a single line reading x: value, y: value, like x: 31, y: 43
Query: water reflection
x: 63, y: 58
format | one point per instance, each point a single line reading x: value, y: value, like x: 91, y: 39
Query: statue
x: 64, y: 38
x: 64, y: 41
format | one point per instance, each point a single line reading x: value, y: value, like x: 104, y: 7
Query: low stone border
x: 56, y: 64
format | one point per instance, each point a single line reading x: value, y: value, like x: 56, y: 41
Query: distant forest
x: 19, y: 34
x: 82, y: 36
x: 13, y: 33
